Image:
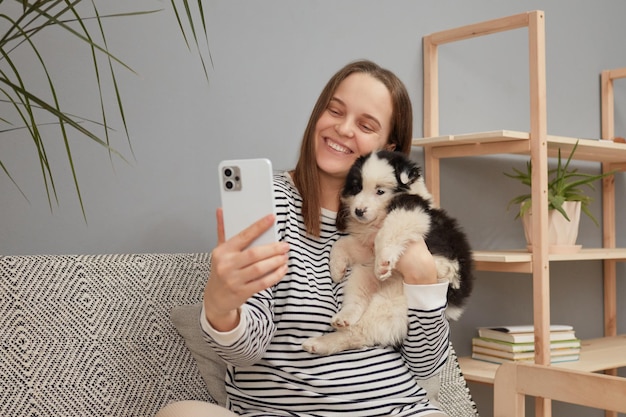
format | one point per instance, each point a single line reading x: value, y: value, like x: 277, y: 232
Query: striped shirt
x: 270, y: 374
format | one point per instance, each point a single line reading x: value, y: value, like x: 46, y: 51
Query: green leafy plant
x: 27, y: 105
x: 564, y: 184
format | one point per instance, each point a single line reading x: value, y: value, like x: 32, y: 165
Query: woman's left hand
x: 417, y: 265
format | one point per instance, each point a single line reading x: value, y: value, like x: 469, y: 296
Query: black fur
x: 445, y: 238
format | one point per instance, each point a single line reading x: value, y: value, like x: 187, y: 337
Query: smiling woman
x: 261, y: 303
x: 32, y: 102
x: 329, y: 111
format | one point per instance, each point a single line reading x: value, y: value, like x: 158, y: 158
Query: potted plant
x: 566, y: 200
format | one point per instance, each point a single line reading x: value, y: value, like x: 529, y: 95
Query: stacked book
x: 516, y: 343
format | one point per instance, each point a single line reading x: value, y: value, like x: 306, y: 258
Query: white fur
x: 374, y: 308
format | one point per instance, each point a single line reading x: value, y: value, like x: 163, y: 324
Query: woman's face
x: 356, y: 121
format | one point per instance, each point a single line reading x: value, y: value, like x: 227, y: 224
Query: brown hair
x: 305, y: 175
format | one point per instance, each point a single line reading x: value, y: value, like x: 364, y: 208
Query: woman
x: 261, y: 303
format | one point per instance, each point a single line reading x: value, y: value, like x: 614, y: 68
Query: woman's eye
x: 333, y: 111
x: 367, y: 128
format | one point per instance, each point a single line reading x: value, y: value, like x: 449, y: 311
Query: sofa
x: 118, y: 335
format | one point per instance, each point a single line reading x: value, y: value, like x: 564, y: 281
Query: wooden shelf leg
x: 539, y: 158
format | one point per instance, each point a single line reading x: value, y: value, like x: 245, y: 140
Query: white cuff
x: 426, y: 297
x: 224, y: 338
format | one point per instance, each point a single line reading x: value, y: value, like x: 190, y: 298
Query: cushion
x: 91, y: 335
x: 186, y: 319
x: 448, y: 389
x: 454, y: 395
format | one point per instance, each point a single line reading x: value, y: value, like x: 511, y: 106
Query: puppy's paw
x: 383, y: 270
x: 316, y: 345
x: 337, y: 269
x: 310, y: 345
x: 346, y: 317
x: 454, y: 312
x: 448, y: 269
x: 386, y: 260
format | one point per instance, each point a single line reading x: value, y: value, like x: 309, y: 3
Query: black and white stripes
x: 366, y: 382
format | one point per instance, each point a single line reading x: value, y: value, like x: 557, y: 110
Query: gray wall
x: 271, y: 60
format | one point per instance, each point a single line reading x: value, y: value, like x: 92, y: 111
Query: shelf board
x: 520, y: 260
x: 472, y: 138
x: 596, y: 355
x: 523, y: 255
x: 508, y: 141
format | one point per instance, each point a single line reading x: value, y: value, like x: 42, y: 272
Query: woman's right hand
x: 239, y: 271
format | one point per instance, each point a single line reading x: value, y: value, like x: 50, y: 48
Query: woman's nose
x: 345, y: 128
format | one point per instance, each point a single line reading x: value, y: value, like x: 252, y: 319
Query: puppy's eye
x: 380, y: 191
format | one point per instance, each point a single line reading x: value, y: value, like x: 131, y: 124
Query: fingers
x: 265, y: 271
x: 249, y: 234
x: 229, y: 287
x: 244, y: 238
x: 268, y: 280
x: 239, y: 271
x: 221, y: 235
x: 241, y: 267
x: 257, y: 277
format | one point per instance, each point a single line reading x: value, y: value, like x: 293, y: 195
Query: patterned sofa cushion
x: 186, y: 319
x: 91, y: 335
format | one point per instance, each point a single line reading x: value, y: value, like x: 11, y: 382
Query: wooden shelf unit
x: 602, y: 354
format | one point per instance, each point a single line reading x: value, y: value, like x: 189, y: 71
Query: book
x: 496, y: 359
x: 525, y: 334
x: 522, y: 347
x: 523, y: 355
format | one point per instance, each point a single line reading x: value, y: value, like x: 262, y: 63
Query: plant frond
x: 46, y: 170
x: 20, y: 31
x: 66, y: 119
x: 192, y: 27
x: 53, y: 20
x: 6, y: 171
x: 120, y: 105
x: 29, y: 119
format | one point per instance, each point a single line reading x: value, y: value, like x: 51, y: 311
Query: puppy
x: 384, y: 207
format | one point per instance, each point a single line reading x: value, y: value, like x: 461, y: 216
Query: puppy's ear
x: 354, y: 182
x: 342, y: 217
x: 410, y: 174
x: 407, y: 171
x: 352, y: 186
x: 405, y: 177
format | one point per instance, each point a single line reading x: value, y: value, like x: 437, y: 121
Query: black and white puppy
x: 385, y: 206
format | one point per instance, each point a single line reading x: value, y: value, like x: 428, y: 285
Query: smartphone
x: 247, y: 194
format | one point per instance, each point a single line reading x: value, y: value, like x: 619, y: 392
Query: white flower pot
x: 562, y: 234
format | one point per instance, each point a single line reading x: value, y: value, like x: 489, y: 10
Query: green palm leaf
x: 192, y: 27
x: 33, y: 111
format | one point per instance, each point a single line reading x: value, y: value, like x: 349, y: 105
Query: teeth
x: 338, y: 147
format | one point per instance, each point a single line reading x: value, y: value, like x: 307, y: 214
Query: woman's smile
x: 337, y: 146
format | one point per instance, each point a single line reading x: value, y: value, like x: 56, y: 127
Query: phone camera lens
x: 228, y: 172
x: 229, y: 185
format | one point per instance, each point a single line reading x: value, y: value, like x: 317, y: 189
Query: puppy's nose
x: 359, y: 212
